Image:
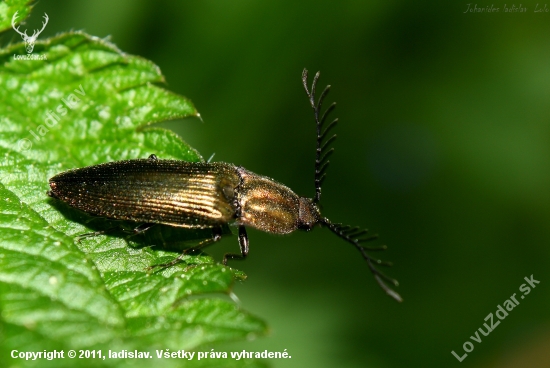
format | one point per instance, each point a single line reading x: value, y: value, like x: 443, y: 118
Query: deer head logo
x: 29, y: 40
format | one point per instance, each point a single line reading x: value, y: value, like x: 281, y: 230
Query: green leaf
x: 8, y: 9
x: 86, y: 104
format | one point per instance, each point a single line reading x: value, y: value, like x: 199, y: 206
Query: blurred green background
x: 443, y: 149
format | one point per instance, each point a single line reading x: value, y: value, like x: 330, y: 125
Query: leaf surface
x: 90, y: 103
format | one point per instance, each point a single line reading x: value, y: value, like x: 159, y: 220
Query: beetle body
x: 200, y: 195
x: 184, y: 194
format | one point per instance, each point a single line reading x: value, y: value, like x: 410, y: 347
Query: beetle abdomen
x: 176, y: 193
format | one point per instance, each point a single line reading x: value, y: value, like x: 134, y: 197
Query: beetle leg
x: 243, y: 243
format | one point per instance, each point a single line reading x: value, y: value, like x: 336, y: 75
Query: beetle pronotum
x: 201, y: 195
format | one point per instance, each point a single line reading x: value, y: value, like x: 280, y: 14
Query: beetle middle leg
x: 243, y: 243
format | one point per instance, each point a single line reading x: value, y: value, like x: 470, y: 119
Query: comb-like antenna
x: 353, y: 235
x: 356, y: 236
x: 322, y: 153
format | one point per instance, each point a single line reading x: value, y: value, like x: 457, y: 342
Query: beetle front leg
x: 243, y: 243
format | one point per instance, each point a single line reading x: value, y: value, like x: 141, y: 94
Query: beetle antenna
x: 356, y: 236
x: 323, y: 152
